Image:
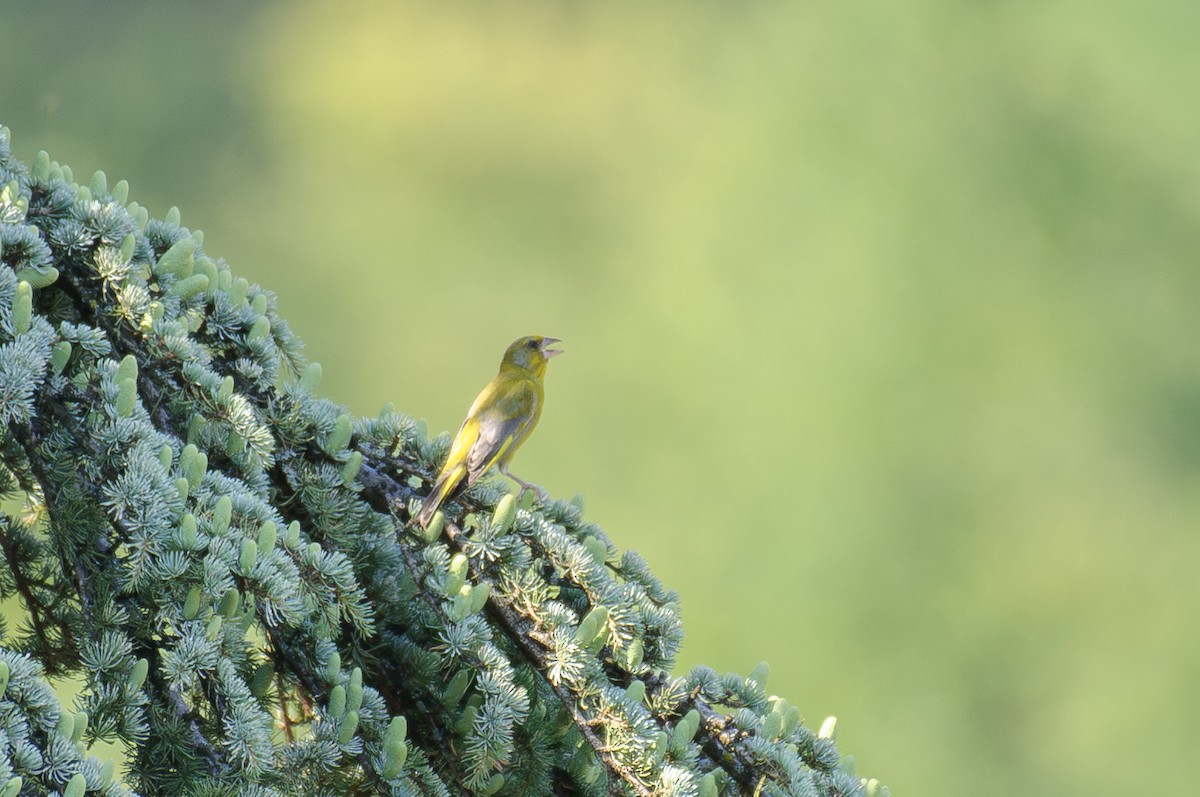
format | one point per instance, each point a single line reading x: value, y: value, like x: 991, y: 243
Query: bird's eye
x: 532, y: 344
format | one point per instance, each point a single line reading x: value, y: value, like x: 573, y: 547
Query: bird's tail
x: 445, y: 485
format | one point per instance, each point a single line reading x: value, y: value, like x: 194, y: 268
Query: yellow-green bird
x: 498, y: 422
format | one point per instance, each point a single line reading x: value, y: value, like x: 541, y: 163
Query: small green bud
x: 222, y: 513
x: 214, y: 627
x: 395, y: 755
x: 759, y: 674
x: 577, y: 501
x: 260, y: 330
x: 165, y: 456
x: 225, y: 391
x: 231, y: 601
x: 181, y: 484
x: 206, y: 266
x: 456, y: 688
x: 310, y: 377
x: 76, y: 786
x: 60, y: 354
x: 460, y: 609
x: 195, y: 469
x: 333, y: 667
x: 791, y: 718
x: 13, y: 787
x: 99, y: 184
x: 352, y: 467
x: 40, y: 170
x: 828, y: 729
x: 66, y: 724
x: 708, y: 785
x: 466, y: 720
x: 188, y: 287
x: 479, y: 596
x: 260, y: 680
x: 67, y: 175
x: 108, y: 769
x: 248, y: 555
x: 349, y: 726
x: 179, y: 260
x: 397, y: 730
x: 685, y: 729
x: 128, y: 244
x: 266, y: 537
x: 186, y: 455
x: 434, y: 529
x: 127, y: 368
x: 873, y: 787
x: 636, y: 691
x: 137, y: 675
x: 83, y: 193
x: 126, y: 398
x: 259, y: 304
x: 188, y: 536
x: 772, y: 724
x: 234, y: 444
x: 120, y: 191
x: 596, y: 548
x: 5, y: 673
x: 456, y: 576
x: 154, y: 314
x: 506, y: 511
x: 526, y: 500
x: 196, y: 425
x: 172, y: 216
x: 337, y: 702
x: 191, y: 604
x: 237, y: 291
x: 291, y: 537
x: 339, y: 436
x: 38, y: 278
x: 591, y: 625
x: 199, y: 236
x: 495, y: 783
x: 354, y: 690
x: 634, y: 653
x: 314, y: 550
x: 661, y: 743
x: 80, y: 726
x: 22, y: 308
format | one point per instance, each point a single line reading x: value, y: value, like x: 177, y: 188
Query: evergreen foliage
x: 224, y: 557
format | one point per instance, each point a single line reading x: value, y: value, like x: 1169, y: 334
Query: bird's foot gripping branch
x: 226, y: 561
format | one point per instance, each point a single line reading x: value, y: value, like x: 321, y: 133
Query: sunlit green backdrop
x: 882, y: 318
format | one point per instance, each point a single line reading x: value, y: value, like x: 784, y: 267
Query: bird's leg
x: 541, y: 494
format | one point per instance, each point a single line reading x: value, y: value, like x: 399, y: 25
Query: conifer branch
x: 225, y: 548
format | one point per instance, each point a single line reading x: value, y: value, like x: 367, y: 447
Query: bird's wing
x: 503, y: 425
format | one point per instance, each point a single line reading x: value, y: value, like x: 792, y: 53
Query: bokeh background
x: 881, y: 318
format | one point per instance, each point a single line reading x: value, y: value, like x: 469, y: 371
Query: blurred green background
x: 881, y: 318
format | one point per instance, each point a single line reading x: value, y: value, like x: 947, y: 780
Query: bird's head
x: 530, y: 354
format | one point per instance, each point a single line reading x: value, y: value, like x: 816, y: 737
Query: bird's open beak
x: 548, y: 352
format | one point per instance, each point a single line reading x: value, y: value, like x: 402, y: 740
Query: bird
x: 500, y: 420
